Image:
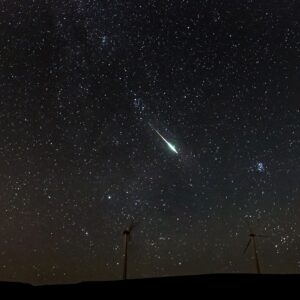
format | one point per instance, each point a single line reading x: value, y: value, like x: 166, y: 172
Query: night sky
x: 88, y: 87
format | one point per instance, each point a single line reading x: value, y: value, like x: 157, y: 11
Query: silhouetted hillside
x: 179, y: 285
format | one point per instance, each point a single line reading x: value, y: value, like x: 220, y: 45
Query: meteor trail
x: 172, y: 147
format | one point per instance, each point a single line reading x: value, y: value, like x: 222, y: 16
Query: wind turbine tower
x: 252, y: 239
x: 126, y: 237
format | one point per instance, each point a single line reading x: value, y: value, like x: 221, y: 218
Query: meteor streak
x: 172, y: 147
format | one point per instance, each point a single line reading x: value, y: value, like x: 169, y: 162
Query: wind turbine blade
x: 247, y: 246
x: 132, y: 225
x: 249, y: 228
x: 248, y: 225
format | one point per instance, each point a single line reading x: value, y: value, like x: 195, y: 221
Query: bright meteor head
x: 172, y: 147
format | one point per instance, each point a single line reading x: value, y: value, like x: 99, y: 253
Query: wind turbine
x: 252, y: 239
x: 126, y: 237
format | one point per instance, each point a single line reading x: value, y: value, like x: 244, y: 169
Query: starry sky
x: 85, y: 87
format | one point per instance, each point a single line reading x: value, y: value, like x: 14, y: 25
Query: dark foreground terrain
x: 199, y: 285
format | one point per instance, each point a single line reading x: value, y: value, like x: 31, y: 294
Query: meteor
x: 172, y: 147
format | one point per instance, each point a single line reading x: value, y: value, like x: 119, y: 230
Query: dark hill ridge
x: 177, y: 283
